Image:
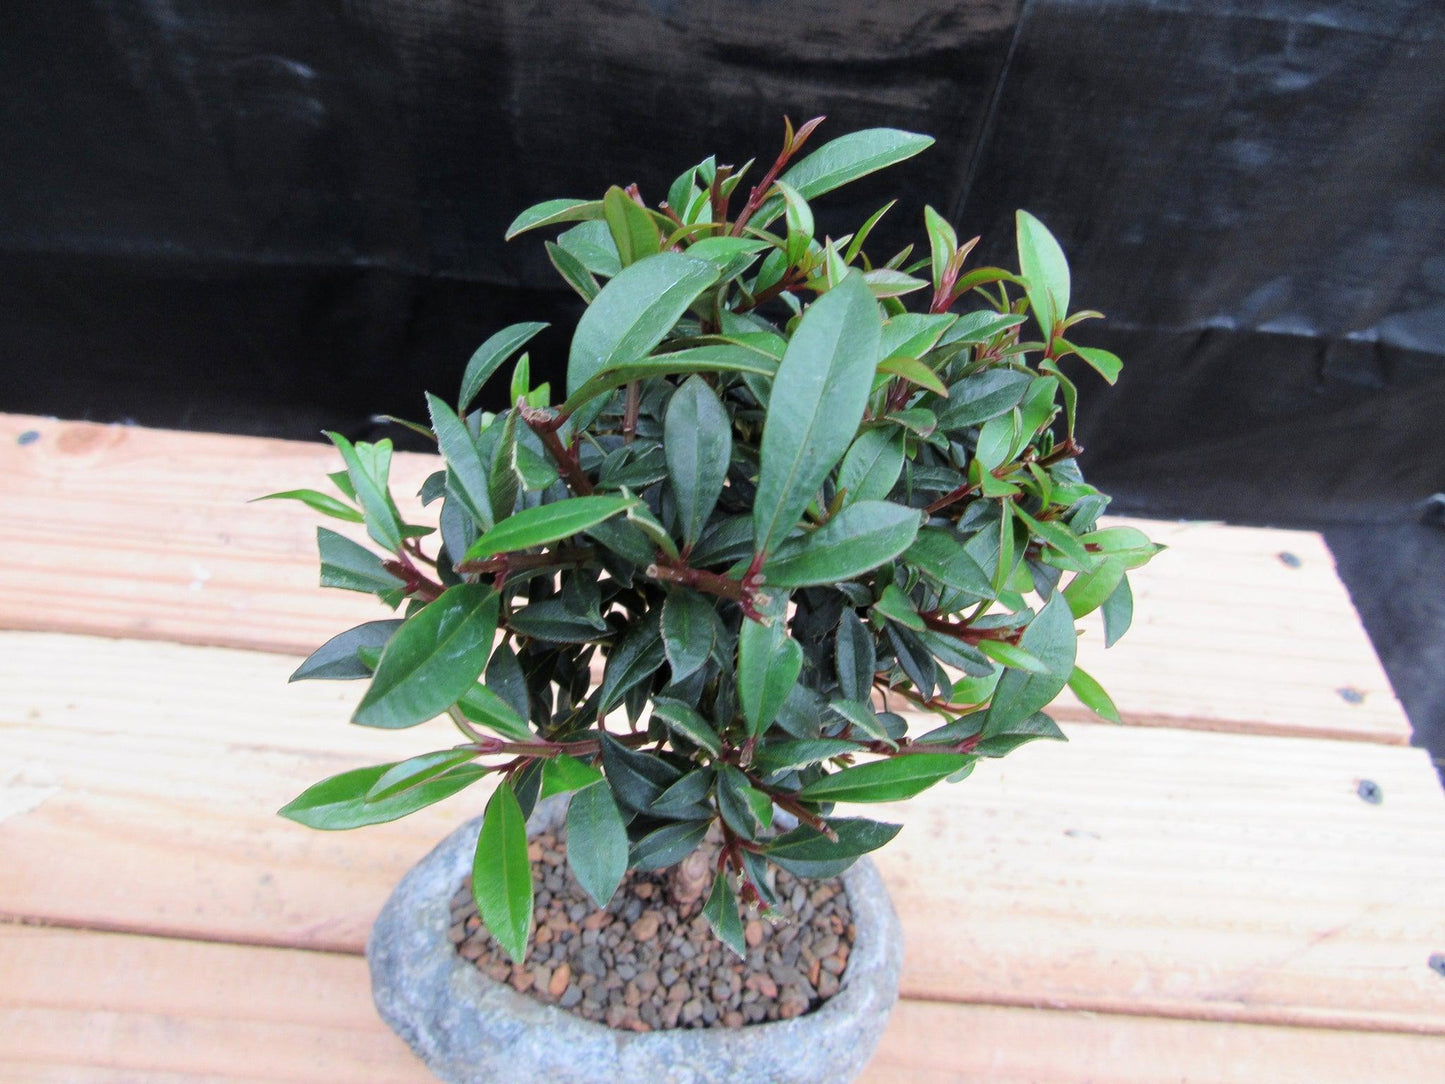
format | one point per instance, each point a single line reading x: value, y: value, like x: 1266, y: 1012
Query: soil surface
x: 642, y: 963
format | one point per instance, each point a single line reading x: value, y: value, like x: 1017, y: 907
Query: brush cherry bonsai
x: 793, y: 503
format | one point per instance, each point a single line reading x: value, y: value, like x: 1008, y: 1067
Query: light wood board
x: 1150, y: 871
x: 130, y: 532
x: 95, y: 1008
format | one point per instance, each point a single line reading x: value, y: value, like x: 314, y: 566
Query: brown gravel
x: 641, y: 964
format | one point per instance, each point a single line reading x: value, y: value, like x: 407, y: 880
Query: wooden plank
x: 1158, y: 871
x: 88, y: 1008
x: 123, y: 531
x: 158, y: 519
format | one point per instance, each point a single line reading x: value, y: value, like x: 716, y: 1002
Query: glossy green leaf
x: 562, y: 773
x: 860, y: 714
x: 911, y: 334
x: 689, y: 630
x: 817, y: 402
x: 490, y: 356
x: 1051, y: 638
x: 871, y: 467
x: 807, y: 852
x: 352, y: 567
x: 1045, y: 273
x: 502, y: 873
x: 432, y: 659
x: 596, y: 842
x: 1092, y: 695
x: 1021, y: 732
x: 721, y: 912
x: 416, y: 770
x: 942, y: 243
x: 1087, y: 591
x: 897, y: 606
x: 683, y: 720
x: 340, y: 802
x: 799, y: 218
x: 336, y: 659
x: 845, y: 159
x: 545, y: 524
x: 590, y: 244
x: 942, y: 558
x: 889, y: 780
x: 976, y: 399
x: 552, y: 211
x: 484, y: 707
x: 633, y: 313
x: 1118, y: 612
x: 915, y: 372
x: 1007, y: 654
x: 633, y: 230
x: 718, y: 358
x: 466, y: 474
x: 1102, y: 362
x: 637, y: 779
x: 739, y: 803
x: 382, y: 522
x: 855, y: 657
x: 769, y: 662
x: 573, y: 272
x: 668, y: 845
x: 861, y: 537
x: 885, y: 282
x: 317, y: 502
x: 697, y: 441
x: 634, y: 660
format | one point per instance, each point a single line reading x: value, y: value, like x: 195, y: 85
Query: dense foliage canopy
x: 776, y: 508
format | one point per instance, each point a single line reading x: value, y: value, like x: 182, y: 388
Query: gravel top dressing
x: 641, y: 964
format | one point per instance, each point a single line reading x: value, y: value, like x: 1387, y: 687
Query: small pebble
x: 560, y: 978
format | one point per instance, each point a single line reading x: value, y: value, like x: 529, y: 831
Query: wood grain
x: 139, y: 533
x: 95, y: 1008
x: 1155, y: 871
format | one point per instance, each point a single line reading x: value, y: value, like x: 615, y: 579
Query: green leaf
x: 807, y: 852
x: 1059, y: 537
x: 942, y: 243
x: 845, y: 159
x: 340, y: 802
x: 871, y: 468
x: 739, y: 804
x: 940, y: 557
x: 977, y: 398
x: 996, y: 439
x: 504, y: 478
x: 855, y: 656
x: 769, y: 662
x: 915, y: 372
x: 860, y: 713
x: 685, y: 721
x: 1045, y: 273
x: 550, y: 212
x: 489, y: 358
x: 861, y: 537
x: 698, y: 443
x: 550, y: 619
x: 562, y: 773
x: 1092, y: 695
x: 465, y: 472
x: 668, y: 845
x: 718, y: 358
x: 351, y: 566
x: 633, y: 313
x: 484, y: 707
x: 689, y: 630
x: 1007, y: 654
x: 976, y: 328
x: 336, y: 659
x: 784, y: 756
x: 721, y: 912
x: 596, y: 842
x: 885, y: 282
x: 637, y: 779
x: 418, y: 769
x: 633, y: 230
x: 799, y: 217
x: 502, y: 873
x: 896, y: 606
x: 1051, y: 638
x: 1036, y: 726
x: 817, y: 401
x: 590, y: 243
x: 317, y: 502
x: 911, y: 334
x: 432, y: 660
x: 1102, y: 362
x: 573, y: 272
x: 1118, y: 612
x: 889, y: 780
x: 382, y: 522
x: 545, y: 524
x: 635, y: 659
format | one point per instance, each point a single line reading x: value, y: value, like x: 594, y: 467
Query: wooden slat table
x: 1201, y: 894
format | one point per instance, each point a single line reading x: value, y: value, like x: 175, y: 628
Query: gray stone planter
x: 470, y: 1029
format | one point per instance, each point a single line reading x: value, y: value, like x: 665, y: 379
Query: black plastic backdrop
x: 269, y: 216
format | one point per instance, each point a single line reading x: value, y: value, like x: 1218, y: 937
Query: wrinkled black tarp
x: 270, y: 216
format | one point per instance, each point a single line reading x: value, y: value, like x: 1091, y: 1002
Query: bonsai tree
x: 803, y: 529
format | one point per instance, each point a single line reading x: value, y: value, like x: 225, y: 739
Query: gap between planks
x: 1158, y: 872
x: 92, y: 1008
x: 1227, y: 635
